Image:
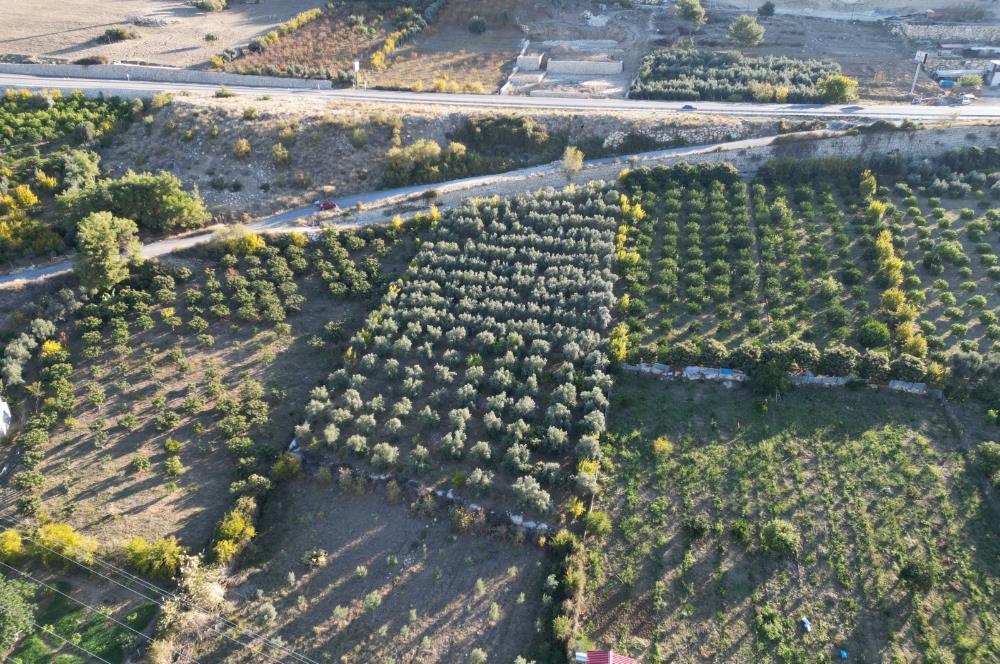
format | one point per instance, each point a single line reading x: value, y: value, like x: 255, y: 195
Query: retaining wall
x: 919, y: 144
x: 160, y: 75
x: 942, y: 32
x: 584, y: 67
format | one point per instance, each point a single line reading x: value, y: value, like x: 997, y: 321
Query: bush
x: 156, y: 203
x: 781, y: 536
x: 477, y: 25
x: 838, y: 89
x: 745, y: 31
x: 287, y: 467
x: 531, y: 495
x: 920, y: 574
x: 766, y: 10
x: 598, y: 523
x: 160, y: 558
x: 112, y: 35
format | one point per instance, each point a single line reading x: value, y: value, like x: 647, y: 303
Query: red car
x: 326, y: 205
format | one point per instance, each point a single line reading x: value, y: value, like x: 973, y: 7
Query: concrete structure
x: 530, y: 61
x: 5, y: 418
x: 584, y: 67
x: 162, y: 75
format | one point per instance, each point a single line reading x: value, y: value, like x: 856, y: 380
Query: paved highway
x: 979, y: 110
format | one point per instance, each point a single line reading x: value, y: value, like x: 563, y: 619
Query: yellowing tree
x: 59, y: 539
x: 25, y: 197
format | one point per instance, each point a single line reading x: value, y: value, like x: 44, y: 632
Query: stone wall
x: 943, y: 32
x: 159, y: 75
x: 584, y: 67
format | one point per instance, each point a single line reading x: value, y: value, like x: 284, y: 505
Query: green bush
x: 156, y: 203
x: 477, y: 25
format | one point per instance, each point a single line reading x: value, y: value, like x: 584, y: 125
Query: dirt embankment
x: 340, y: 150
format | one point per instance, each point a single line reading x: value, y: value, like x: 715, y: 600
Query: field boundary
x: 161, y: 75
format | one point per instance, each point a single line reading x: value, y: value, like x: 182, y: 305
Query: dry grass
x: 448, y: 52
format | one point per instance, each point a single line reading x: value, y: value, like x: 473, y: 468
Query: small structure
x: 911, y: 388
x: 607, y: 657
x: 992, y: 78
x: 5, y: 418
x: 714, y: 373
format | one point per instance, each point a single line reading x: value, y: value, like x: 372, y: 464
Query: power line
x: 151, y: 587
x: 66, y: 641
x: 81, y: 603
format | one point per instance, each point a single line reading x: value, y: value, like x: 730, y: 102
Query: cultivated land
x: 174, y: 33
x: 423, y: 589
x: 426, y: 439
x: 868, y: 481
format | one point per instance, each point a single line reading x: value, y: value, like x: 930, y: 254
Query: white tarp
x: 5, y: 418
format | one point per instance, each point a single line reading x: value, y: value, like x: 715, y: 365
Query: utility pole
x: 920, y: 58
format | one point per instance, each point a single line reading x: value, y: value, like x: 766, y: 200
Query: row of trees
x: 490, y: 348
x: 689, y: 74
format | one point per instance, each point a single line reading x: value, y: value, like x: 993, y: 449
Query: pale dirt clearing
x: 173, y: 32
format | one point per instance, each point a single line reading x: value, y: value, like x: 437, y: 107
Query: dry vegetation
x: 353, y: 575
x: 448, y: 57
x: 341, y: 150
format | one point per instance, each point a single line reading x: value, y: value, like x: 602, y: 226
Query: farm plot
x: 842, y: 273
x: 484, y: 369
x: 730, y: 76
x: 335, y: 572
x: 325, y: 47
x: 945, y: 220
x: 852, y: 509
x: 53, y: 125
x: 447, y: 56
x: 107, y: 632
x: 164, y: 392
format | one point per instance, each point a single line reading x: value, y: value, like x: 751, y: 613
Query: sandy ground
x: 880, y: 61
x: 70, y: 30
x: 840, y: 9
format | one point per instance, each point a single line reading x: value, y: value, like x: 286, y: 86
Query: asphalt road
x: 976, y: 111
x: 293, y: 219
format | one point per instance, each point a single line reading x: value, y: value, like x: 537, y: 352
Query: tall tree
x: 691, y: 10
x: 105, y: 244
x: 745, y: 31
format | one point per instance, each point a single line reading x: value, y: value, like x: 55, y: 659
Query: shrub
x: 766, y: 10
x: 160, y: 558
x: 59, y: 539
x: 287, y: 467
x: 920, y: 574
x: 241, y: 148
x: 838, y: 89
x: 572, y: 160
x: 598, y: 523
x: 781, y: 536
x: 477, y: 25
x: 112, y: 35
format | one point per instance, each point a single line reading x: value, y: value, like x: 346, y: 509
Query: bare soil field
x: 171, y: 32
x: 341, y: 150
x: 390, y: 588
x: 857, y: 9
x: 880, y: 61
x: 447, y: 51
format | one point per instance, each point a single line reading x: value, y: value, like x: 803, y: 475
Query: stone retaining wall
x: 941, y: 32
x: 159, y: 75
x: 584, y: 67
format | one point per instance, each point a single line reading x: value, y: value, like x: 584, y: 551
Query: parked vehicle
x: 326, y: 205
